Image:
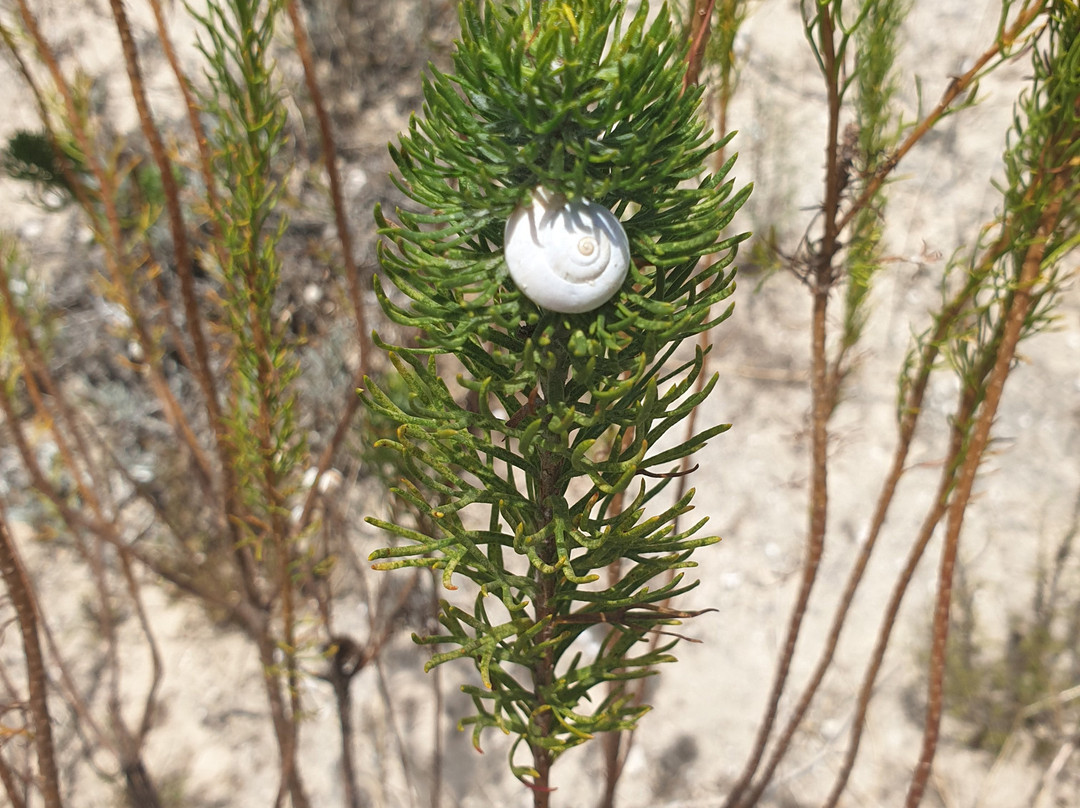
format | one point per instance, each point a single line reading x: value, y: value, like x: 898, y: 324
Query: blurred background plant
x: 191, y: 437
x: 1021, y: 690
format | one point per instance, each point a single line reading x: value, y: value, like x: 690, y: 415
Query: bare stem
x: 543, y: 673
x: 26, y: 610
x: 700, y: 28
x: 352, y: 272
x: 823, y: 395
x: 957, y: 87
x: 1017, y: 314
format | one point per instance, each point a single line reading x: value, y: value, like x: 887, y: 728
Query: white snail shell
x: 566, y: 256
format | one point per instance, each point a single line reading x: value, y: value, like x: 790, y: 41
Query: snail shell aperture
x: 566, y: 256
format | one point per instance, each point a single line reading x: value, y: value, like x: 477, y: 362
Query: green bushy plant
x: 557, y: 468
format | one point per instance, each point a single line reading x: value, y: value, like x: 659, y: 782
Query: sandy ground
x: 214, y: 733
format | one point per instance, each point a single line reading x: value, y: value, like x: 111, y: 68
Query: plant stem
x: 957, y: 87
x: 700, y: 28
x: 909, y: 419
x: 823, y: 398
x: 1017, y: 315
x: 26, y: 610
x: 544, y: 671
x: 12, y: 787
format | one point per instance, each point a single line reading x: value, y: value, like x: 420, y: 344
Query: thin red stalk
x: 961, y: 424
x: 284, y: 724
x: 1018, y: 311
x: 822, y: 404
x: 963, y: 458
x: 900, y: 589
x: 337, y: 196
x: 8, y: 778
x: 26, y: 610
x: 885, y: 499
x: 121, y: 279
x: 193, y: 111
x: 178, y: 229
x: 543, y: 673
x: 64, y: 426
x: 285, y: 708
x: 210, y: 591
x: 267, y: 387
x: 140, y: 788
x: 835, y: 222
x: 93, y: 557
x: 60, y: 427
x: 912, y: 409
x: 32, y: 361
x: 352, y: 272
x: 700, y: 28
x: 285, y: 720
x: 811, y: 563
x: 55, y: 411
x: 231, y: 504
x: 957, y: 87
x: 156, y: 672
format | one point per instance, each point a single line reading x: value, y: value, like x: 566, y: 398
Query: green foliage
x: 1021, y: 683
x: 730, y: 16
x: 247, y: 135
x: 548, y: 478
x: 1018, y: 685
x: 874, y: 135
x: 21, y: 305
x: 30, y: 157
x: 1038, y: 221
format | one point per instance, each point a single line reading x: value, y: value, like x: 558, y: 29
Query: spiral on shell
x: 566, y: 256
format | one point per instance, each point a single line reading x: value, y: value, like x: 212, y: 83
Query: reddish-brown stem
x: 543, y: 678
x: 1015, y: 317
x: 960, y: 425
x: 156, y: 672
x: 281, y: 717
x: 177, y: 228
x: 892, y: 610
x: 337, y: 196
x: 230, y: 505
x: 26, y: 610
x: 12, y: 786
x: 957, y: 87
x: 285, y: 710
x: 543, y: 672
x: 63, y: 427
x: 210, y: 591
x: 909, y: 418
x: 193, y: 112
x: 352, y: 272
x: 112, y: 234
x: 822, y: 405
x: 700, y: 28
x: 193, y: 316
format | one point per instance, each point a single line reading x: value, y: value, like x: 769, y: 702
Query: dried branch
x: 1016, y: 317
x: 23, y: 600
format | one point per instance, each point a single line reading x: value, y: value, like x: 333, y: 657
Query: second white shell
x: 566, y: 256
